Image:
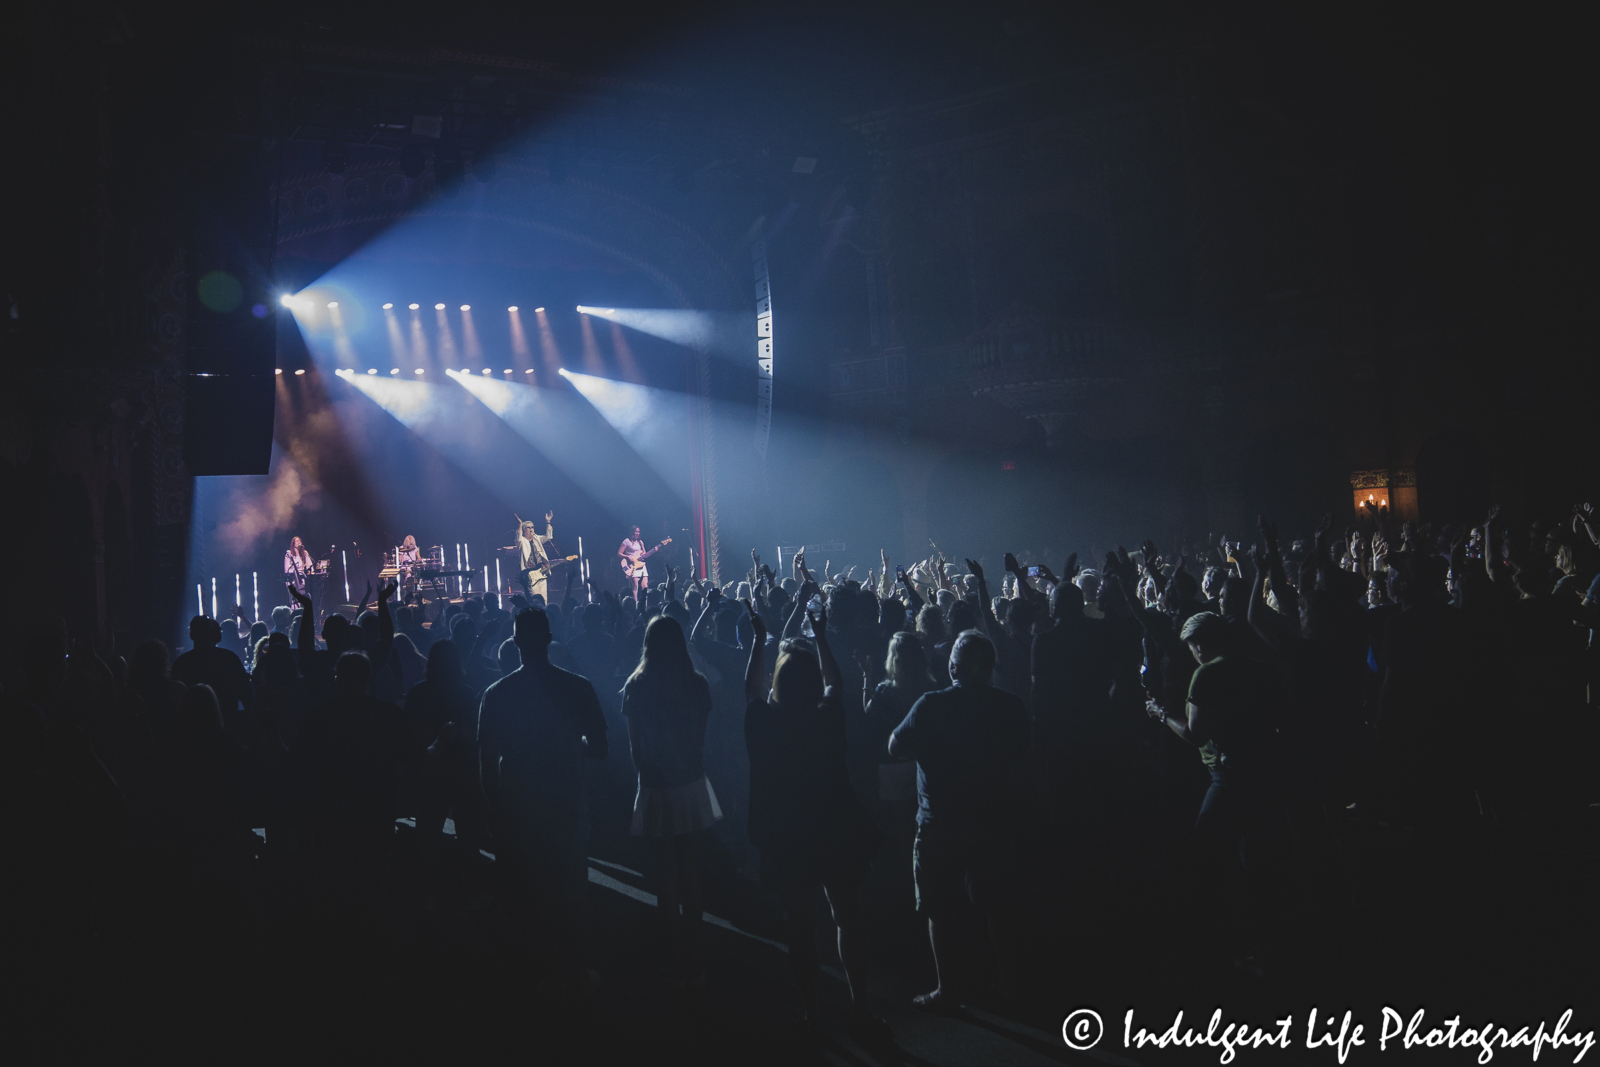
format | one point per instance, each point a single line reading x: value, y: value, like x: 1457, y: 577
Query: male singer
x: 534, y: 577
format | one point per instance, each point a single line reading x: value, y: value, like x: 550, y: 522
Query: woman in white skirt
x: 667, y: 703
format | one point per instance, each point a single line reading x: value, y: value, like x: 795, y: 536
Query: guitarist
x: 633, y: 554
x: 535, y: 575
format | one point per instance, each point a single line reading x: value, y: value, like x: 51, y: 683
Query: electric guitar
x: 633, y: 563
x: 545, y: 567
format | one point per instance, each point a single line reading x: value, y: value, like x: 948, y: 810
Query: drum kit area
x: 421, y: 575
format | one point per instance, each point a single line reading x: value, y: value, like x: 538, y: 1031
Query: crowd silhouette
x: 1252, y: 760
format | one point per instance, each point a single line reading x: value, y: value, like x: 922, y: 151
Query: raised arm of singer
x: 531, y: 573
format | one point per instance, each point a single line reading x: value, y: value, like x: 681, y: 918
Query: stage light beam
x: 445, y: 334
x: 644, y: 417
x: 591, y: 348
x: 726, y: 333
x: 547, y: 343
x: 470, y: 348
x: 567, y: 431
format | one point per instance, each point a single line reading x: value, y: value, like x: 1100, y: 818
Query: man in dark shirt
x: 536, y: 726
x: 206, y: 664
x: 1230, y: 714
x: 967, y: 741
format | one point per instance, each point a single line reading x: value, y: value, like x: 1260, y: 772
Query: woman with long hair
x: 667, y: 704
x: 297, y: 563
x: 407, y: 557
x: 413, y: 664
x: 906, y: 678
x: 804, y: 816
x: 933, y: 631
x: 257, y: 634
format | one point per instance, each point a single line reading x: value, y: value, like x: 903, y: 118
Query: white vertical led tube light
x: 344, y: 565
x: 213, y: 596
x: 238, y: 598
x: 199, y: 598
x: 499, y: 585
x: 458, y: 568
x: 255, y: 596
x: 485, y: 577
x: 466, y: 554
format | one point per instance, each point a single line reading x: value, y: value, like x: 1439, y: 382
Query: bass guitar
x: 633, y: 563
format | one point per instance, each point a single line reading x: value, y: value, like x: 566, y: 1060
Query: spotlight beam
x: 725, y: 333
x: 457, y: 427
x: 571, y: 434
x: 647, y: 419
